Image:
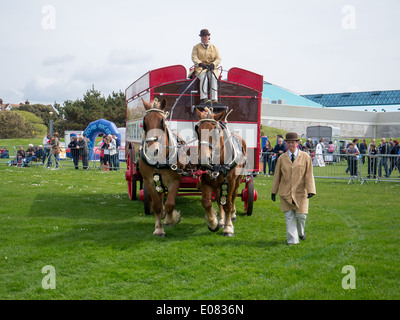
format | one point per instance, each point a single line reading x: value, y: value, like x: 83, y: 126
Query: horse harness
x: 216, y: 169
x: 176, y: 145
x: 212, y: 169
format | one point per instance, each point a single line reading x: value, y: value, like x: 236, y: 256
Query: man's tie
x: 292, y: 157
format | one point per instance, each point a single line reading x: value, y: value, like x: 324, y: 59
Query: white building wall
x: 360, y: 124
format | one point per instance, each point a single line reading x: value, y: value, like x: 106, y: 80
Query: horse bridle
x: 219, y: 168
x: 196, y: 128
x: 163, y: 114
x: 172, y: 149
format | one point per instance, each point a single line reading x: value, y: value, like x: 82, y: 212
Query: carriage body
x: 240, y: 92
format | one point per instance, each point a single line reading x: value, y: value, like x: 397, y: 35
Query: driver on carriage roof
x: 206, y: 57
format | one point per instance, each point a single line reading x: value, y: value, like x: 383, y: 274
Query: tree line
x: 72, y: 115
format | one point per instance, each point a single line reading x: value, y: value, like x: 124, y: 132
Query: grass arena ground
x: 101, y: 246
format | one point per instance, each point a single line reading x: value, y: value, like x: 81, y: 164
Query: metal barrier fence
x: 363, y: 168
x: 74, y: 159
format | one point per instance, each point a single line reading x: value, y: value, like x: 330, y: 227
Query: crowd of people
x: 383, y: 156
x: 109, y: 155
x: 80, y: 148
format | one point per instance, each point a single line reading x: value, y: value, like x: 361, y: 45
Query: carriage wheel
x: 132, y: 188
x: 248, y: 205
x: 146, y: 201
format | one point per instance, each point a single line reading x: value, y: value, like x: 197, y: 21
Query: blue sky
x: 55, y: 50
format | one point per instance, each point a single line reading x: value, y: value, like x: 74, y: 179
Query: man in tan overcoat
x: 206, y: 58
x: 294, y: 179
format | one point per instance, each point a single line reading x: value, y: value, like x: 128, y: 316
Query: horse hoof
x: 161, y: 235
x: 166, y: 224
x: 213, y: 230
x: 227, y: 234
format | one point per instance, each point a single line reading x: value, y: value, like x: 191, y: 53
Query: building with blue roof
x: 377, y: 101
x: 284, y: 109
x: 277, y: 95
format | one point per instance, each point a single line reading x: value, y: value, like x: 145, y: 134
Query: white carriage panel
x: 185, y: 130
x: 248, y: 131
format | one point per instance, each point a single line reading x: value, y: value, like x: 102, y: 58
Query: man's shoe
x: 303, y: 237
x: 215, y: 101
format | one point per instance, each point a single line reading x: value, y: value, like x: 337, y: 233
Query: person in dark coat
x: 74, y: 151
x: 279, y: 149
x: 363, y: 150
x: 394, y: 159
x: 267, y: 157
x: 83, y: 151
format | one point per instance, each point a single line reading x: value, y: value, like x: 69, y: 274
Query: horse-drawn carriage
x: 179, y: 109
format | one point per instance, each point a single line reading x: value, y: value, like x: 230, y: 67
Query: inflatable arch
x: 97, y: 127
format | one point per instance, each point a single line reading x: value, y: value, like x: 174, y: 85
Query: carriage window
x: 135, y: 131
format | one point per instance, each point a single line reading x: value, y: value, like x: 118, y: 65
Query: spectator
x: 20, y: 155
x: 300, y: 145
x: 391, y: 143
x: 279, y: 149
x: 331, y: 151
x: 4, y: 154
x: 372, y: 160
x: 372, y: 142
x: 353, y: 153
x: 267, y: 157
x: 384, y: 150
x: 348, y: 158
x: 46, y: 145
x: 83, y: 152
x: 113, y: 151
x: 73, y: 145
x: 394, y: 159
x: 30, y: 154
x: 89, y: 143
x: 102, y: 151
x: 283, y: 140
x: 363, y: 150
x: 39, y: 153
x: 355, y: 141
x: 318, y: 159
x: 309, y: 146
x: 106, y: 148
x: 322, y: 143
x: 55, y: 148
x: 118, y: 144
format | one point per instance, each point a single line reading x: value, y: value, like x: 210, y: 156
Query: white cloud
x: 128, y: 57
x: 41, y: 89
x: 58, y: 60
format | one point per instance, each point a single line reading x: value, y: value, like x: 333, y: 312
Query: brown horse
x: 223, y: 155
x: 158, y: 165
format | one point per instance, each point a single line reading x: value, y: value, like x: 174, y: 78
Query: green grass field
x: 101, y: 244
